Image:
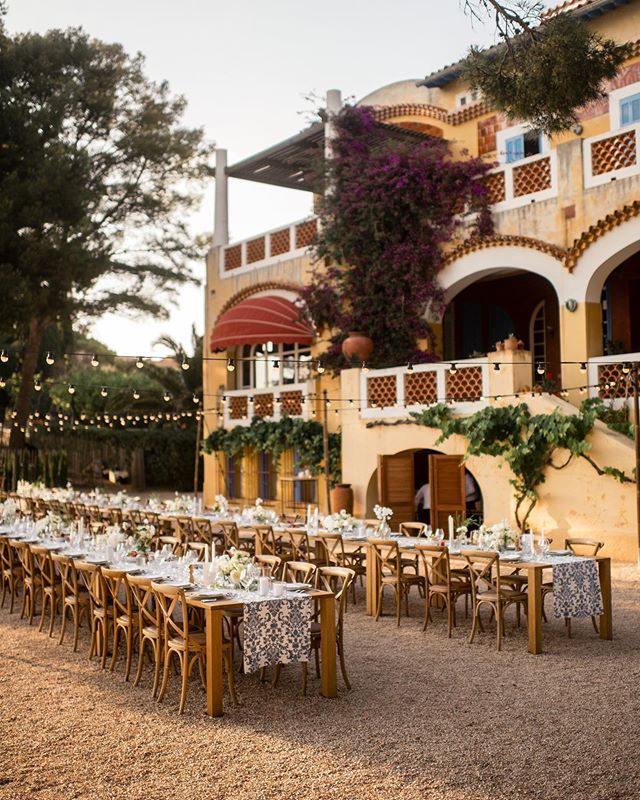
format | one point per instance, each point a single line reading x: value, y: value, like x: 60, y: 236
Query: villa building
x: 561, y: 272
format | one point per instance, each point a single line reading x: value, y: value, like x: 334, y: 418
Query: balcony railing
x: 242, y: 405
x: 269, y: 247
x: 525, y: 181
x: 607, y: 378
x: 610, y: 156
x: 395, y: 392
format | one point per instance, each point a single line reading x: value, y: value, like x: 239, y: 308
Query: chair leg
x: 77, y: 614
x: 54, y: 609
x: 45, y: 599
x: 499, y: 611
x: 103, y: 625
x: 316, y: 652
x: 379, y: 606
x: 157, y: 658
x: 116, y: 636
x: 63, y: 628
x: 343, y: 666
x: 476, y: 617
x: 450, y: 613
x: 165, y: 675
x: 594, y: 622
x: 185, y: 679
x: 138, y: 677
x: 127, y: 671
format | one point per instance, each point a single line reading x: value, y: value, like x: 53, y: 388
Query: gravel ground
x: 427, y: 718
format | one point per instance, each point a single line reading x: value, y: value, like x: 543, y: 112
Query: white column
x: 333, y: 107
x: 221, y: 218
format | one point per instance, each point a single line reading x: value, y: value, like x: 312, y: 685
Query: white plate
x: 206, y: 595
x: 509, y: 557
x: 177, y: 584
x: 559, y: 553
x: 293, y: 585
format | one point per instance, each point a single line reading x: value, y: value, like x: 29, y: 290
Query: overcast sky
x: 245, y: 67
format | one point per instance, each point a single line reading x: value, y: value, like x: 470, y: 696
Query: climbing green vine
x: 303, y: 436
x: 526, y: 441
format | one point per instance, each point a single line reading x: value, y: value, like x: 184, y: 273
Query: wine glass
x: 439, y: 535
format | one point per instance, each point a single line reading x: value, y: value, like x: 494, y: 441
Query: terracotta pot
x: 357, y: 345
x: 511, y: 343
x: 342, y: 498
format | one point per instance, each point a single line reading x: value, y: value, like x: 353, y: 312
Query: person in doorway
x: 470, y: 492
x: 423, y: 503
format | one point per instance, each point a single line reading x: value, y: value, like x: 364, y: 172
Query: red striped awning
x: 258, y: 320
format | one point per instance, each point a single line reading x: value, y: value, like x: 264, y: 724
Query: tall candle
x: 450, y: 528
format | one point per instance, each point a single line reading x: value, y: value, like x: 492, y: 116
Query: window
x: 528, y: 143
x: 266, y: 477
x: 630, y: 109
x: 304, y: 492
x: 274, y: 365
x: 233, y: 476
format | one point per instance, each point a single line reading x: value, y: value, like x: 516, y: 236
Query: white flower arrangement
x: 338, y: 522
x: 182, y: 504
x: 496, y: 537
x: 383, y: 513
x: 231, y: 567
x: 49, y: 524
x: 9, y: 511
x: 220, y: 504
x: 258, y: 513
x: 143, y: 536
x: 119, y: 499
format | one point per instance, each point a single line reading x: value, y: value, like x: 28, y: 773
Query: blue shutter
x: 630, y: 110
x: 514, y: 148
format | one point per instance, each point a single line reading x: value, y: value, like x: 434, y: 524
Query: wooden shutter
x: 446, y: 483
x: 396, y: 487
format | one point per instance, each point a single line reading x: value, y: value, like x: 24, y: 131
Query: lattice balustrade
x: 255, y: 250
x: 238, y: 407
x: 382, y: 391
x: 609, y: 374
x: 420, y: 388
x: 305, y: 233
x: 291, y: 403
x: 532, y: 177
x: 263, y: 405
x: 613, y: 153
x: 496, y: 187
x: 233, y: 257
x: 280, y: 242
x: 465, y: 385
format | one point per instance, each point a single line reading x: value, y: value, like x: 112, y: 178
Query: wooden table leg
x: 213, y: 632
x: 606, y: 618
x: 534, y: 616
x: 372, y: 582
x: 328, y: 645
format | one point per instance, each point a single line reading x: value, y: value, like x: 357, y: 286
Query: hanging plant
x: 391, y: 208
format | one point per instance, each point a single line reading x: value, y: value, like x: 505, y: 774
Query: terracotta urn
x: 342, y: 498
x: 357, y: 345
x: 510, y: 343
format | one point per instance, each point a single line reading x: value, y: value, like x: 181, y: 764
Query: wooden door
x: 446, y: 484
x: 396, y: 487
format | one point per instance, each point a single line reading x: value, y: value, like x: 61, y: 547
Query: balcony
x: 528, y: 180
x: 610, y: 156
x: 268, y: 248
x: 607, y: 380
x: 394, y: 392
x: 292, y: 400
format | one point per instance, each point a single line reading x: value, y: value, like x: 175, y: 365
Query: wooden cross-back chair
x: 74, y: 598
x: 183, y: 528
x: 50, y: 586
x: 265, y: 540
x: 487, y: 588
x: 336, y: 555
x: 441, y: 582
x: 100, y: 610
x: 294, y: 545
x: 125, y: 618
x: 298, y: 571
x: 392, y: 572
x: 11, y: 572
x: 413, y: 528
x: 31, y: 580
x: 181, y: 642
x: 149, y: 627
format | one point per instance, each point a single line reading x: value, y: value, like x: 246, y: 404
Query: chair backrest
x: 27, y: 562
x: 176, y: 545
x: 387, y: 555
x: 230, y: 533
x: 183, y: 528
x: 298, y: 571
x: 334, y: 547
x: 44, y: 565
x: 484, y: 570
x: 290, y: 519
x: 116, y: 516
x: 337, y: 580
x: 266, y: 539
x: 413, y: 528
x: 118, y: 591
x: 95, y: 514
x: 435, y: 560
x: 202, y: 530
x: 145, y: 601
x: 269, y: 560
x: 201, y: 549
x: 583, y: 547
x: 8, y: 557
x: 68, y: 575
x: 91, y: 577
x: 173, y: 608
x: 297, y: 543
x: 135, y: 515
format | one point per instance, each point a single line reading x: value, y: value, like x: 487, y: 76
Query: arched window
x: 274, y: 365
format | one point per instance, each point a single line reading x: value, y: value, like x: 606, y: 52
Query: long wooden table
x: 534, y: 571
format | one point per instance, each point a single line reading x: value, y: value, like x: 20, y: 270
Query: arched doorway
x: 620, y: 301
x: 501, y: 303
x: 412, y: 488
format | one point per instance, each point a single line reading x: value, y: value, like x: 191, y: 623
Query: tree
x: 97, y: 176
x: 547, y: 66
x: 184, y: 384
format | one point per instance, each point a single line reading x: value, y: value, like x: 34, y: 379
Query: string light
x: 94, y: 361
x: 139, y: 362
x: 103, y: 391
x: 365, y: 368
x: 195, y: 398
x: 231, y: 365
x: 4, y: 357
x: 136, y: 394
x: 496, y: 367
x: 185, y: 364
x: 3, y: 383
x: 49, y: 358
x: 453, y: 369
x: 583, y: 366
x: 37, y: 385
x: 409, y: 369
x: 320, y: 367
x: 540, y: 369
x: 166, y: 397
x: 626, y: 369
x: 71, y: 389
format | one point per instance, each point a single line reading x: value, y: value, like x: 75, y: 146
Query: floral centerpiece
x: 258, y: 513
x: 119, y: 499
x: 220, y: 504
x: 384, y: 514
x: 8, y: 511
x: 496, y: 537
x: 232, y: 568
x: 338, y: 522
x: 142, y: 536
x: 49, y: 525
x: 181, y: 504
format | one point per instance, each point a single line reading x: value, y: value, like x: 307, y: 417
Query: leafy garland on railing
x: 304, y: 436
x: 526, y: 441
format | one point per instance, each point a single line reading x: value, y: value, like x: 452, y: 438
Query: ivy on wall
x: 303, y: 436
x: 527, y: 442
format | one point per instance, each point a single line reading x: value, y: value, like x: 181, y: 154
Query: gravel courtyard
x: 427, y: 718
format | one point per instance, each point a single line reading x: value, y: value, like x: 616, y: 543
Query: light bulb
x: 166, y: 397
x: 320, y: 368
x: 37, y: 385
x: 94, y: 361
x: 496, y: 367
x: 453, y: 369
x: 139, y: 362
x: 4, y: 357
x: 49, y: 358
x: 626, y: 369
x: 103, y: 391
x: 195, y: 398
x: 540, y: 369
x: 365, y: 368
x: 3, y: 383
x: 71, y: 389
x: 583, y: 367
x: 410, y: 368
x: 185, y: 364
x: 136, y: 394
x: 231, y: 365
